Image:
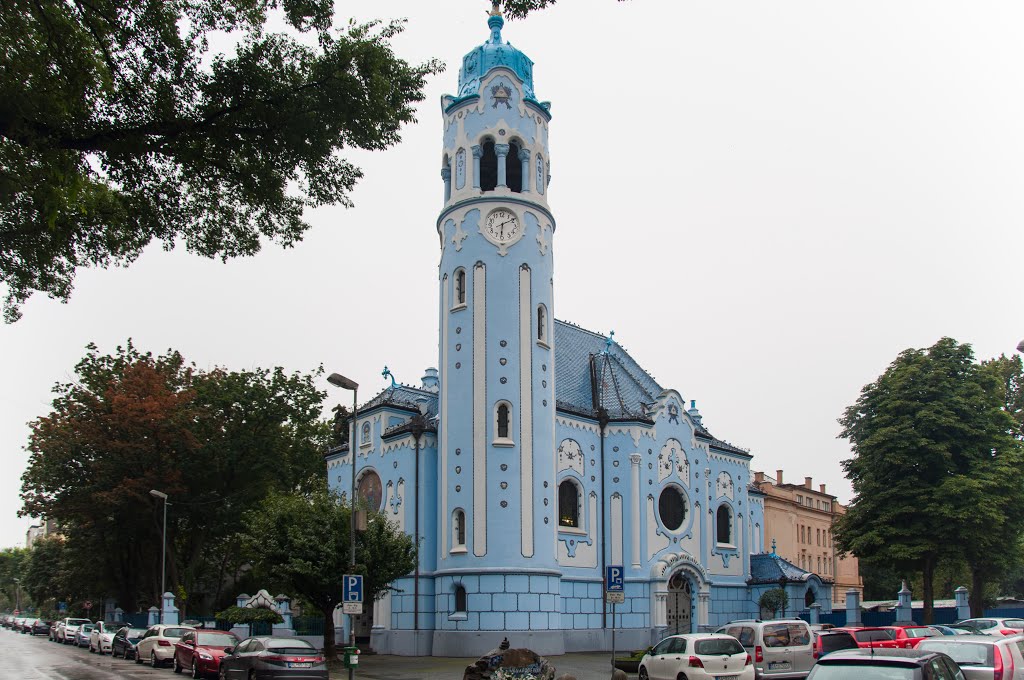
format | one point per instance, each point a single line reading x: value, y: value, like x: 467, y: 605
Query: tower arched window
x: 723, y: 525
x: 366, y: 435
x: 503, y: 424
x: 459, y: 531
x: 459, y: 293
x: 488, y: 166
x: 568, y: 504
x: 542, y: 324
x: 514, y: 167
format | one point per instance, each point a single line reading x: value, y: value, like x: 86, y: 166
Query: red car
x: 872, y: 637
x: 200, y: 651
x: 908, y: 637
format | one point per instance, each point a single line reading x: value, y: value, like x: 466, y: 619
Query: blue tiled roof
x: 624, y: 387
x: 404, y: 396
x: 771, y: 568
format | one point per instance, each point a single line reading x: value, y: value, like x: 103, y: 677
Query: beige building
x: 798, y: 522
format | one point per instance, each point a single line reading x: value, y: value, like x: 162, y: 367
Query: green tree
x: 215, y: 441
x: 935, y: 472
x: 12, y: 566
x: 48, y: 576
x: 517, y: 9
x: 302, y: 541
x: 773, y: 601
x: 120, y: 127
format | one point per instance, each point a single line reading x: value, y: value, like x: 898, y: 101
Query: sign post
x: 352, y: 604
x: 614, y: 592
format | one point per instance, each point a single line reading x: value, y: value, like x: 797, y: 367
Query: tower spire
x: 495, y: 8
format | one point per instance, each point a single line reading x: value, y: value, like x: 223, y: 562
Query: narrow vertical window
x: 459, y: 530
x: 460, y: 287
x: 503, y: 421
x: 542, y: 324
x: 724, y: 522
x: 488, y: 166
x: 568, y: 504
x: 460, y: 600
x: 514, y: 168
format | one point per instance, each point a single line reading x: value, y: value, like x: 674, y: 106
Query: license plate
x: 300, y: 664
x: 778, y: 666
x: 725, y: 677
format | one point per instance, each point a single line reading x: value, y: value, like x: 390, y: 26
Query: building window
x: 542, y: 324
x: 460, y: 600
x: 365, y: 437
x: 799, y: 499
x: 801, y: 533
x: 459, y: 296
x: 503, y: 424
x: 369, y: 489
x: 723, y: 524
x: 514, y: 168
x: 459, y: 531
x: 817, y: 535
x: 672, y: 507
x: 568, y: 504
x: 488, y: 166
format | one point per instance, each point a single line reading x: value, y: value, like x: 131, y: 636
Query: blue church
x: 540, y: 453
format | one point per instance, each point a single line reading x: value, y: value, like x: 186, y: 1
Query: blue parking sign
x: 62, y: 606
x: 615, y: 578
x: 353, y: 588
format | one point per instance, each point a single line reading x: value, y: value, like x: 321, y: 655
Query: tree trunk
x: 977, y: 596
x: 928, y: 574
x: 330, y: 650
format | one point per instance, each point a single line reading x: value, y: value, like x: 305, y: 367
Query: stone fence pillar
x: 815, y: 613
x: 170, y: 611
x: 903, y: 610
x: 963, y: 605
x: 852, y: 607
x: 284, y: 609
x: 154, y: 616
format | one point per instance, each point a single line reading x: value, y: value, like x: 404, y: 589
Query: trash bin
x: 350, y: 656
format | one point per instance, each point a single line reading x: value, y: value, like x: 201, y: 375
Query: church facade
x: 540, y: 453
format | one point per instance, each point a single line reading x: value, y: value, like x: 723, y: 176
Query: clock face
x: 502, y: 226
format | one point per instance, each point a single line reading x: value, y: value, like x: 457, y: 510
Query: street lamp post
x: 163, y: 555
x: 344, y: 383
x: 17, y: 594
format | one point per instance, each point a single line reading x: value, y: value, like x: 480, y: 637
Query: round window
x: 370, y: 489
x: 672, y: 507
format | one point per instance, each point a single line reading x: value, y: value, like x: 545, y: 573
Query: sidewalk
x: 585, y: 666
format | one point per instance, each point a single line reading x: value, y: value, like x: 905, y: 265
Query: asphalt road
x: 34, y: 658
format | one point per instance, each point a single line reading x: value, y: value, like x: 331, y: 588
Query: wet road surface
x: 35, y: 658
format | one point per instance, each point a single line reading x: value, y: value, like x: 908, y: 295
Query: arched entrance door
x: 680, y: 605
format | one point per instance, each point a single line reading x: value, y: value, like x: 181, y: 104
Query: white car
x: 993, y: 626
x: 698, y: 656
x: 102, y: 636
x: 68, y: 629
x: 157, y: 646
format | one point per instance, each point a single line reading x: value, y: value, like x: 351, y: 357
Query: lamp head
x: 338, y: 380
x: 158, y: 494
x: 1020, y: 346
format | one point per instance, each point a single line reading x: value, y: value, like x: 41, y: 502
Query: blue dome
x: 492, y: 54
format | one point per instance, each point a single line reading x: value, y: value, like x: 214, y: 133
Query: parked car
x: 982, y: 657
x: 39, y: 627
x: 908, y: 637
x: 124, y: 641
x: 950, y: 630
x: 102, y: 636
x: 19, y: 624
x: 67, y: 630
x: 702, y: 656
x: 779, y: 648
x: 273, y: 657
x: 886, y: 664
x: 157, y: 645
x: 828, y: 641
x: 993, y: 625
x: 872, y: 637
x: 82, y: 636
x: 200, y: 651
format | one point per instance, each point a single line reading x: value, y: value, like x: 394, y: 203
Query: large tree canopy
x: 118, y: 127
x: 937, y: 470
x: 216, y: 441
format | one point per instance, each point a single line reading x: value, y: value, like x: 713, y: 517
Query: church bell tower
x: 496, y: 491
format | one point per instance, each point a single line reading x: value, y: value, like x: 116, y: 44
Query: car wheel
x: 223, y: 672
x: 91, y: 650
x: 177, y: 666
x: 195, y: 669
x: 643, y: 673
x: 152, y: 660
x: 138, y: 657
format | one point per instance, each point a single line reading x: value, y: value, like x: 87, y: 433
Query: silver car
x: 982, y: 657
x: 782, y: 649
x: 993, y: 625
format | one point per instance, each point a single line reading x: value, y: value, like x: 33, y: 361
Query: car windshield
x: 215, y: 640
x: 718, y: 647
x: 174, y: 632
x: 785, y: 634
x: 830, y: 643
x: 77, y: 622
x: 964, y: 653
x: 1014, y: 623
x: 920, y: 632
x: 87, y: 627
x: 295, y: 647
x: 860, y: 671
x: 872, y: 635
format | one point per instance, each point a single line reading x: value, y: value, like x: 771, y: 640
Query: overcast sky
x: 767, y: 201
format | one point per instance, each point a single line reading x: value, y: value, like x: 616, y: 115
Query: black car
x: 124, y: 642
x: 40, y: 627
x: 890, y: 664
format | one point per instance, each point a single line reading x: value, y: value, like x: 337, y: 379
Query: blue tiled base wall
x: 403, y: 604
x: 582, y: 602
x: 497, y: 602
x: 729, y: 603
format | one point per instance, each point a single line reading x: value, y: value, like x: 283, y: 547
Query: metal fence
x: 308, y: 625
x: 941, y: 616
